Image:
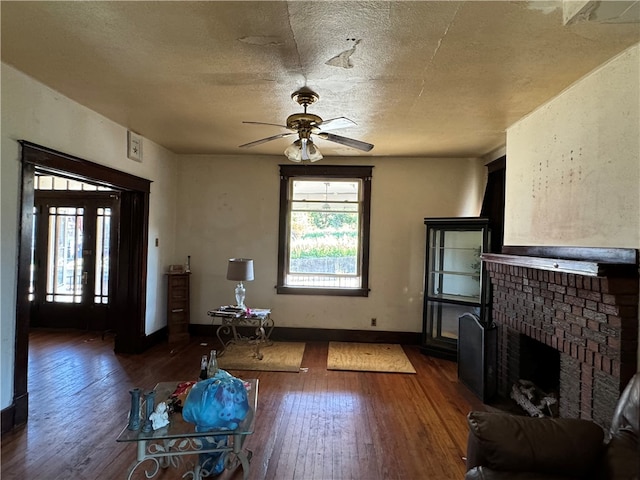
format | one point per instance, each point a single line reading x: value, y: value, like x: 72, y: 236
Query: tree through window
x: 324, y: 230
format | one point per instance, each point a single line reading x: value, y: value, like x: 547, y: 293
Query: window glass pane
x: 65, y: 262
x: 324, y: 234
x: 45, y: 182
x: 32, y: 262
x: 60, y: 183
x: 324, y: 191
x: 324, y: 207
x: 74, y: 185
x: 103, y: 232
x: 49, y: 182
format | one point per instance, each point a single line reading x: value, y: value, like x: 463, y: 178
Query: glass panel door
x: 72, y: 259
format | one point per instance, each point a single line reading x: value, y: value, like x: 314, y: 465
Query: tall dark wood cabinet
x: 178, y: 306
x: 454, y: 280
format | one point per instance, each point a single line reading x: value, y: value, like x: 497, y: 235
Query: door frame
x: 129, y: 295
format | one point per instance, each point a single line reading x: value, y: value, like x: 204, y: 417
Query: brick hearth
x: 591, y: 319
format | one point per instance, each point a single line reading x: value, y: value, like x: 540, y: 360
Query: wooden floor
x: 312, y: 425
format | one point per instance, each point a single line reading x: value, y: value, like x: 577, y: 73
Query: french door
x: 74, y: 259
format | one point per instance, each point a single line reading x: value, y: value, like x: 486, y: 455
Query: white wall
x: 573, y: 165
x: 33, y: 112
x: 235, y: 214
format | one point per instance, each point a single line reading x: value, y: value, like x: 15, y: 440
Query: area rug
x: 277, y: 357
x: 369, y: 357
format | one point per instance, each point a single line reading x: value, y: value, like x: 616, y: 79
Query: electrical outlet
x: 374, y: 322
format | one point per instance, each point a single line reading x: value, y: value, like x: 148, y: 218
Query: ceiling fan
x: 307, y: 124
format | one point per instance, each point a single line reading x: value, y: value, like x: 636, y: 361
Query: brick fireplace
x: 582, y: 303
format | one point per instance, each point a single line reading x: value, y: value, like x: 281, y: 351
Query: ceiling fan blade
x: 336, y: 123
x: 268, y: 139
x: 349, y: 142
x: 263, y: 123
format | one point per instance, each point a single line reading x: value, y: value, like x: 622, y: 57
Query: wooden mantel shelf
x: 578, y: 267
x: 622, y: 263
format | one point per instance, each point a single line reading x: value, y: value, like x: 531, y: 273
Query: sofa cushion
x: 557, y: 446
x: 483, y: 473
x: 622, y: 457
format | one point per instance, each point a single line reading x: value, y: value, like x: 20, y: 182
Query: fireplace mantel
x: 561, y: 265
x: 594, y: 262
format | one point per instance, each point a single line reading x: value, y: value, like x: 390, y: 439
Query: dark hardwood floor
x: 313, y: 425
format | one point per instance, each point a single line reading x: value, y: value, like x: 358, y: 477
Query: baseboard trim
x: 8, y: 419
x: 290, y: 334
x: 15, y: 414
x: 155, y: 338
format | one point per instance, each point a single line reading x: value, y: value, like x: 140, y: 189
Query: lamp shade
x: 240, y: 269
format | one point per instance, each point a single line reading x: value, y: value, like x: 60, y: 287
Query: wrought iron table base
x: 263, y: 328
x: 169, y: 453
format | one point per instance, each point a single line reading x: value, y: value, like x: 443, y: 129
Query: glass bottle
x: 203, y: 368
x: 212, y: 368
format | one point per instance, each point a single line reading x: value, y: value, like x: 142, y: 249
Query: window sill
x: 338, y: 292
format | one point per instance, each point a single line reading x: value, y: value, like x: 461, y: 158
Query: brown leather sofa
x: 511, y: 447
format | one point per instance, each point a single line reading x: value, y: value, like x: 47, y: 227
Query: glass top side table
x: 166, y: 447
x: 230, y: 319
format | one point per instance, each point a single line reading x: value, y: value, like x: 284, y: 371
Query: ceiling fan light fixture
x: 296, y: 152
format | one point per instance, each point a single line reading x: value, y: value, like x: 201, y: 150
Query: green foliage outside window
x: 324, y: 234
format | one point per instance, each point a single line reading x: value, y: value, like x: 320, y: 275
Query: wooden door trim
x: 69, y: 166
x: 131, y: 287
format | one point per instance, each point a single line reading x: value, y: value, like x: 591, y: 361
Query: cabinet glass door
x: 453, y: 280
x: 454, y: 265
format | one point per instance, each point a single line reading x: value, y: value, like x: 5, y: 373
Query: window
x: 323, y: 246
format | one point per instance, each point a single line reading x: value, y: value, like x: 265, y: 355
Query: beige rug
x: 278, y: 357
x: 370, y: 357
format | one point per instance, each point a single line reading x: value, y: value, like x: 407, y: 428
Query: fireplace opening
x: 537, y: 388
x: 540, y: 364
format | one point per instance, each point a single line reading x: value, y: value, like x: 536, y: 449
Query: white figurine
x: 160, y: 417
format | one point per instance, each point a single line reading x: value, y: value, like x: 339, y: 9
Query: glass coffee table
x: 168, y: 446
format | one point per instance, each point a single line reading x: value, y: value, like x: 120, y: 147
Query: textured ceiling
x: 419, y: 78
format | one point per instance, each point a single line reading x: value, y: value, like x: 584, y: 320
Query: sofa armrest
x: 560, y: 446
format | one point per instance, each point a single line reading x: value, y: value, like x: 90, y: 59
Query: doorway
x: 128, y: 272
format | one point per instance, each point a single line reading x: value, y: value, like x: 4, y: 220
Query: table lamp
x: 240, y: 270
